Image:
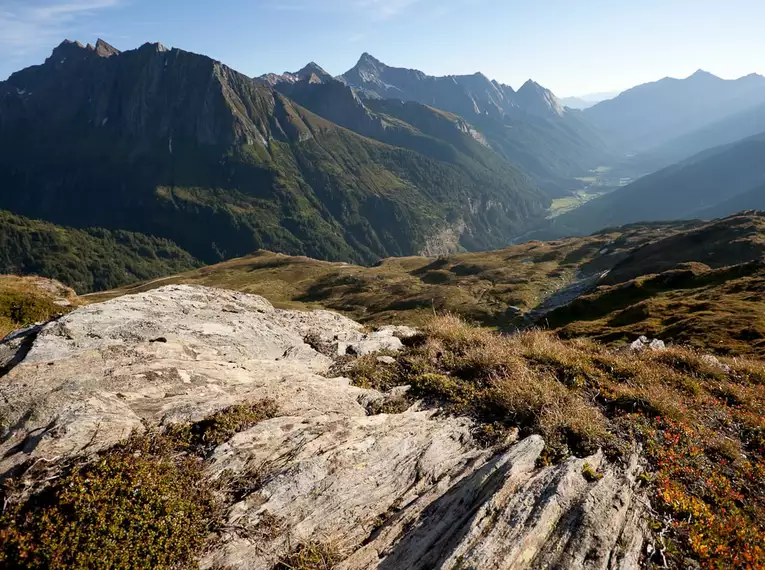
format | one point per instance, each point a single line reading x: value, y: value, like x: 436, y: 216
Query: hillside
x: 218, y: 430
x: 683, y: 191
x: 25, y: 301
x: 692, y: 283
x: 704, y: 288
x: 425, y: 130
x: 653, y: 114
x: 729, y: 130
x: 751, y: 200
x: 177, y: 145
x: 91, y: 259
x: 494, y: 288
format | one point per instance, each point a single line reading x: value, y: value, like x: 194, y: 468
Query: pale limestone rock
x: 410, y: 490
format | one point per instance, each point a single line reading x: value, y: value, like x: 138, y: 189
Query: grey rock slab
x: 173, y: 354
x: 410, y: 490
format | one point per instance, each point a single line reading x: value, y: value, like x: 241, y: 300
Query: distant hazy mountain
x: 690, y: 189
x: 732, y: 128
x: 576, y: 103
x: 752, y: 200
x: 529, y: 127
x: 653, y: 114
x: 177, y: 145
x: 586, y: 101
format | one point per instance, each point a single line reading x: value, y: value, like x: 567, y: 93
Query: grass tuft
x: 312, y: 555
x: 699, y: 420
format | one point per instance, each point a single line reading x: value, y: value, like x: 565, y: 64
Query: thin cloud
x: 373, y: 9
x: 385, y: 9
x: 28, y: 25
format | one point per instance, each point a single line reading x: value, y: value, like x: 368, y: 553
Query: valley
x: 376, y: 320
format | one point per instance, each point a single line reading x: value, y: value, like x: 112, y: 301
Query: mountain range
x: 529, y: 126
x: 177, y: 145
x: 653, y: 114
x: 380, y: 161
x: 714, y: 183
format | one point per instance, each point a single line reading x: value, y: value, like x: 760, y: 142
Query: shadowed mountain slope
x: 177, y: 145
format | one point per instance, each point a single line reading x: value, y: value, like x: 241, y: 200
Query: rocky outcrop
x: 408, y: 490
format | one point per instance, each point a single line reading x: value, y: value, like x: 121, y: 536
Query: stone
x: 408, y: 490
x: 714, y: 362
x: 644, y: 343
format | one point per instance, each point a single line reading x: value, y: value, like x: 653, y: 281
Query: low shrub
x: 143, y: 504
x: 139, y: 505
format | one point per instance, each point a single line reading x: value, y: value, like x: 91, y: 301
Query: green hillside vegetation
x: 493, y: 288
x: 86, y: 260
x: 225, y: 171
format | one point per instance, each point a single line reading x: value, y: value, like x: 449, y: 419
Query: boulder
x: 644, y: 343
x: 408, y: 490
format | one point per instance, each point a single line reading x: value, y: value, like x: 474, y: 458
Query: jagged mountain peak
x: 313, y: 70
x: 701, y: 74
x: 538, y: 100
x: 104, y: 49
x: 368, y: 58
x: 68, y: 47
x: 465, y: 95
x: 154, y: 46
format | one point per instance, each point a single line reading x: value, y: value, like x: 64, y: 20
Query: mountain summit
x: 311, y: 72
x: 538, y: 101
x: 465, y: 95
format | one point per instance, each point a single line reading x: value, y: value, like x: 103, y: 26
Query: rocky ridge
x: 405, y: 490
x: 466, y: 95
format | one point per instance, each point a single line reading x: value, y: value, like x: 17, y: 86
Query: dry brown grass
x: 481, y: 286
x: 311, y: 555
x: 27, y: 300
x: 698, y: 418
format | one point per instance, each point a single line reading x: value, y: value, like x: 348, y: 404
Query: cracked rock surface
x: 410, y: 490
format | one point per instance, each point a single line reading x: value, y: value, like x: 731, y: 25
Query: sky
x: 573, y: 47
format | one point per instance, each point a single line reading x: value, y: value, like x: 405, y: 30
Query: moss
x: 221, y: 426
x: 590, y: 473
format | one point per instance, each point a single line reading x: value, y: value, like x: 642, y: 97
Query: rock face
x: 409, y: 490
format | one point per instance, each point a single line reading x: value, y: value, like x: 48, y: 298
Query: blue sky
x: 570, y: 46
